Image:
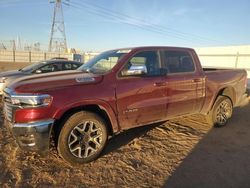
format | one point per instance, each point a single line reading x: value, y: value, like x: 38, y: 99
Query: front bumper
x: 34, y: 136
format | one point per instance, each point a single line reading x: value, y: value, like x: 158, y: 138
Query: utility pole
x: 13, y: 44
x: 57, y: 42
x: 19, y: 46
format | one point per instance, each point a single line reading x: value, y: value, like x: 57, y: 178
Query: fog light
x: 27, y: 140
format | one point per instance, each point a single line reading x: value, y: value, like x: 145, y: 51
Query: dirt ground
x: 185, y: 152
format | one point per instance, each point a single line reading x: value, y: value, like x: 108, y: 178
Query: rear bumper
x: 243, y: 100
x: 34, y: 136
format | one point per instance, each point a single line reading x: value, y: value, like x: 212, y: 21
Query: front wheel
x: 82, y: 138
x: 221, y: 112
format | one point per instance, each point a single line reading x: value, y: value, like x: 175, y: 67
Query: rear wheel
x: 221, y: 112
x: 82, y: 138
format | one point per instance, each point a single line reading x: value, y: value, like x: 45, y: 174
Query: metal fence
x: 229, y: 60
x: 30, y: 57
x: 238, y: 61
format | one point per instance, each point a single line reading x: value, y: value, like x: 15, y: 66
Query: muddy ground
x: 185, y: 152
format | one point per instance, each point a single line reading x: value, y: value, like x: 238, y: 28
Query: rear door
x: 184, y: 83
x: 141, y: 99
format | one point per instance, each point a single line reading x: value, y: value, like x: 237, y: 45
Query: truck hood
x: 52, y: 81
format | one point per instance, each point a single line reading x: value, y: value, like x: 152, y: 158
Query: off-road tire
x: 82, y: 130
x: 221, y: 112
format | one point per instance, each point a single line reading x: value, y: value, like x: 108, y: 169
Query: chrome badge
x: 85, y: 79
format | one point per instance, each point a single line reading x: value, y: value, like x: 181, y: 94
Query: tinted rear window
x: 178, y: 62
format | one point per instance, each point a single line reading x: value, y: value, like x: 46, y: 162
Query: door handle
x: 159, y: 84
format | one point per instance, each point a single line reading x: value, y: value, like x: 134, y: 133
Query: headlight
x: 2, y: 79
x: 31, y: 100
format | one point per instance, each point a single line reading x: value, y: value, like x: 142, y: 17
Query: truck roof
x: 155, y: 47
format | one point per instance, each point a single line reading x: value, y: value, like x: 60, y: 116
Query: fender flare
x: 100, y: 103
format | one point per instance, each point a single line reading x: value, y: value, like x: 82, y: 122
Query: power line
x: 111, y: 17
x: 104, y: 12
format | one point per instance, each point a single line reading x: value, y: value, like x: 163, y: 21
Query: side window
x: 149, y: 59
x: 67, y: 66
x: 51, y: 68
x: 70, y: 66
x: 75, y: 66
x: 178, y: 62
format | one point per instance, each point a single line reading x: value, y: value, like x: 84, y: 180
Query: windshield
x: 32, y: 67
x: 104, y: 62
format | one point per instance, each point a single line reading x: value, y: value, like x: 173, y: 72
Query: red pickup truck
x: 117, y: 90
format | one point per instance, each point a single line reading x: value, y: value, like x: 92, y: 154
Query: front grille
x: 7, y: 107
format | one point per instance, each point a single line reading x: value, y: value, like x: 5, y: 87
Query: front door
x: 141, y: 99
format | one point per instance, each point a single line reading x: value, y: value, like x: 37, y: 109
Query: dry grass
x: 5, y: 66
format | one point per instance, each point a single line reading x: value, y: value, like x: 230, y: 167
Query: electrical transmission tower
x: 57, y: 42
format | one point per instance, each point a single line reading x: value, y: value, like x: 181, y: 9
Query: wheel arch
x: 226, y: 91
x: 102, y: 109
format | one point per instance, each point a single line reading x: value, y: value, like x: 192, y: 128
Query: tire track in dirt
x: 142, y: 157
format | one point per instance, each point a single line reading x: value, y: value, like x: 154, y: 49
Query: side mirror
x: 136, y: 70
x: 38, y: 71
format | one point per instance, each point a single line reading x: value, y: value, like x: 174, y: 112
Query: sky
x: 97, y: 25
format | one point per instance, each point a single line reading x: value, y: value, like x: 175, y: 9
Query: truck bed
x: 214, y: 69
x: 217, y: 79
